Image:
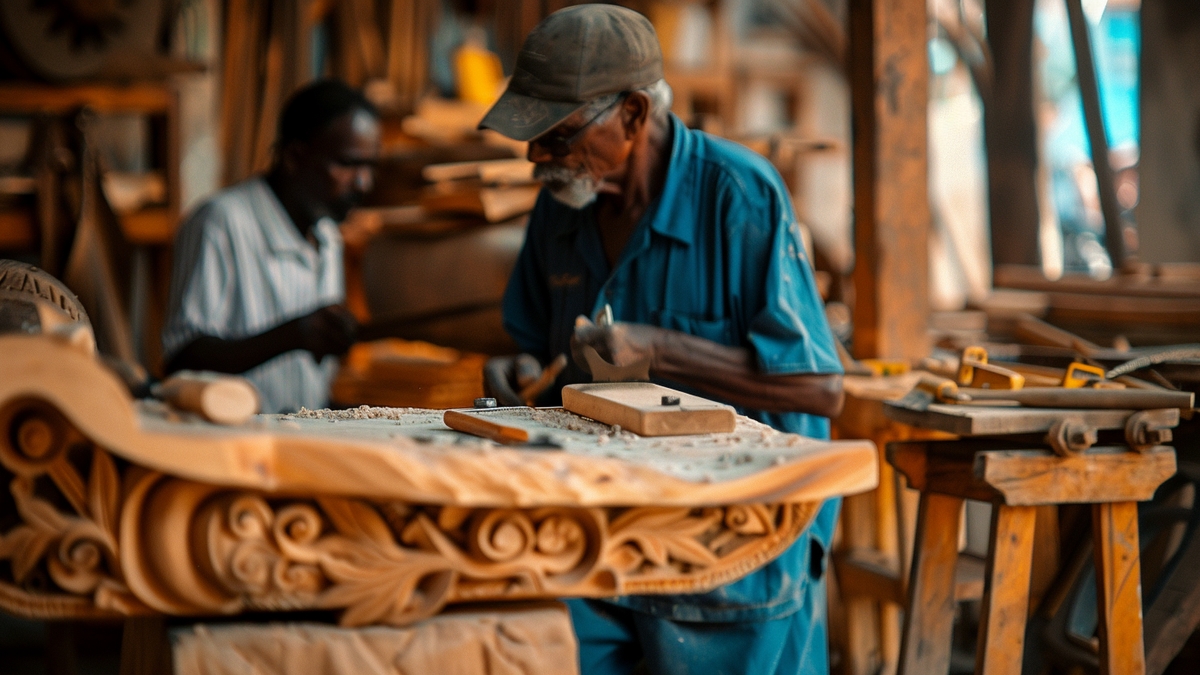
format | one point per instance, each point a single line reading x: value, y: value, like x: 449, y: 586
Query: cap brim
x: 524, y: 118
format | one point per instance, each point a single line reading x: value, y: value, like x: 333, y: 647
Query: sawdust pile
x: 362, y: 412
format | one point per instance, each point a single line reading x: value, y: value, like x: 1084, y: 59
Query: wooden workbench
x: 121, y: 507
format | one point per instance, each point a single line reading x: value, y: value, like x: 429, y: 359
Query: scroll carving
x: 120, y: 539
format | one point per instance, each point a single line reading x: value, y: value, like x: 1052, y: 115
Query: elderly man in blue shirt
x: 693, y: 243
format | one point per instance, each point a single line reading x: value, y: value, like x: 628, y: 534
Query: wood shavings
x: 362, y: 412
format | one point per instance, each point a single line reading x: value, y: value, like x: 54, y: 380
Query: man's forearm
x: 236, y: 356
x: 731, y: 374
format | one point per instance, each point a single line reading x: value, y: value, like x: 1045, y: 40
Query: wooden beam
x: 1001, y: 643
x: 925, y: 645
x: 889, y: 76
x: 1011, y: 135
x: 1118, y: 589
x: 1089, y: 92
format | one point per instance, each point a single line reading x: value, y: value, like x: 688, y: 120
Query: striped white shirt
x: 241, y: 269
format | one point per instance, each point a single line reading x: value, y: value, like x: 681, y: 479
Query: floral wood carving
x: 125, y: 539
x: 61, y: 561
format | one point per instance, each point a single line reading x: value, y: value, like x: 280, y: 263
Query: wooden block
x: 638, y: 407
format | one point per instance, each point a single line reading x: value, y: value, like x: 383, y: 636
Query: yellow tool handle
x: 476, y: 425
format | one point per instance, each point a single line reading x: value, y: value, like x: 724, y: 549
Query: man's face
x: 596, y: 152
x: 337, y: 167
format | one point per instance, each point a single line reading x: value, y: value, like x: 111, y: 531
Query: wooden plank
x: 1001, y: 644
x: 1033, y: 477
x: 44, y: 98
x: 1162, y: 285
x: 925, y: 644
x: 889, y: 78
x: 639, y: 407
x: 1118, y: 588
x: 1029, y: 477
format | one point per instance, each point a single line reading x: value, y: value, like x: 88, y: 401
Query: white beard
x: 576, y: 189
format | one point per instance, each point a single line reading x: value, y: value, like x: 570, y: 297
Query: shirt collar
x: 277, y: 226
x: 665, y: 221
x: 668, y: 220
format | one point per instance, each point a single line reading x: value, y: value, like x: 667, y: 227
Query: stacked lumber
x: 409, y: 374
x: 495, y: 190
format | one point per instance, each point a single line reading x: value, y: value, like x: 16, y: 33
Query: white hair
x: 660, y: 94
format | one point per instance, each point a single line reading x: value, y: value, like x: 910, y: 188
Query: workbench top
x: 407, y: 453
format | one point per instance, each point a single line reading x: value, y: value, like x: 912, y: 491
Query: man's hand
x: 329, y: 330
x: 504, y: 376
x: 621, y: 344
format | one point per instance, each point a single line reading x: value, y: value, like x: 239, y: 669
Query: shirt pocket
x: 715, y: 330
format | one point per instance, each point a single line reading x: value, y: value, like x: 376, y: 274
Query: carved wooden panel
x: 105, y: 511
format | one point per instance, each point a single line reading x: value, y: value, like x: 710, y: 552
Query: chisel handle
x: 476, y: 425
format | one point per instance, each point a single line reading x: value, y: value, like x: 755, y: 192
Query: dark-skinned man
x: 693, y: 243
x: 258, y: 283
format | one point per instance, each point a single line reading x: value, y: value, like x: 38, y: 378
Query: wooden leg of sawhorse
x: 1006, y: 591
x: 1118, y: 588
x: 925, y: 643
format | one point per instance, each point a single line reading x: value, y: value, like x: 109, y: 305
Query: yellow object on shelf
x: 477, y: 71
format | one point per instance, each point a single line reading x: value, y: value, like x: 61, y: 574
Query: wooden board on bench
x: 639, y: 407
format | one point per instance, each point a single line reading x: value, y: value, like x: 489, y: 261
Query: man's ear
x: 635, y: 113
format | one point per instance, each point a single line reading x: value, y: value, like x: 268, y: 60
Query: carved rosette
x: 119, y: 539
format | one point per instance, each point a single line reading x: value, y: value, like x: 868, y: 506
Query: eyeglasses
x: 559, y: 145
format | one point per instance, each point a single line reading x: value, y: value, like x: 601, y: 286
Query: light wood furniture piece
x: 129, y: 508
x: 1017, y: 479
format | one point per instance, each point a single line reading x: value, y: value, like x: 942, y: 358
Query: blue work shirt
x: 717, y: 255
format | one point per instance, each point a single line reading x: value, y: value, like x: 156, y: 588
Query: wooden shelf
x: 151, y: 226
x: 26, y: 97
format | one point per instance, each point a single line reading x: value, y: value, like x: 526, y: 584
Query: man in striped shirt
x: 258, y: 283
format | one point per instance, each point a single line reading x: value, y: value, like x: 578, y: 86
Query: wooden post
x: 889, y: 81
x: 1011, y: 135
x: 1118, y: 588
x: 1089, y: 92
x: 1006, y: 594
x: 925, y: 644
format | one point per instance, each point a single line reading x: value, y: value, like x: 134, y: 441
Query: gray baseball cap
x: 572, y: 57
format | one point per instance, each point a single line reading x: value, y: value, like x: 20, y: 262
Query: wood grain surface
x: 638, y: 407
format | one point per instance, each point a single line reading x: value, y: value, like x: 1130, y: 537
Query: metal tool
x: 933, y: 390
x: 603, y: 370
